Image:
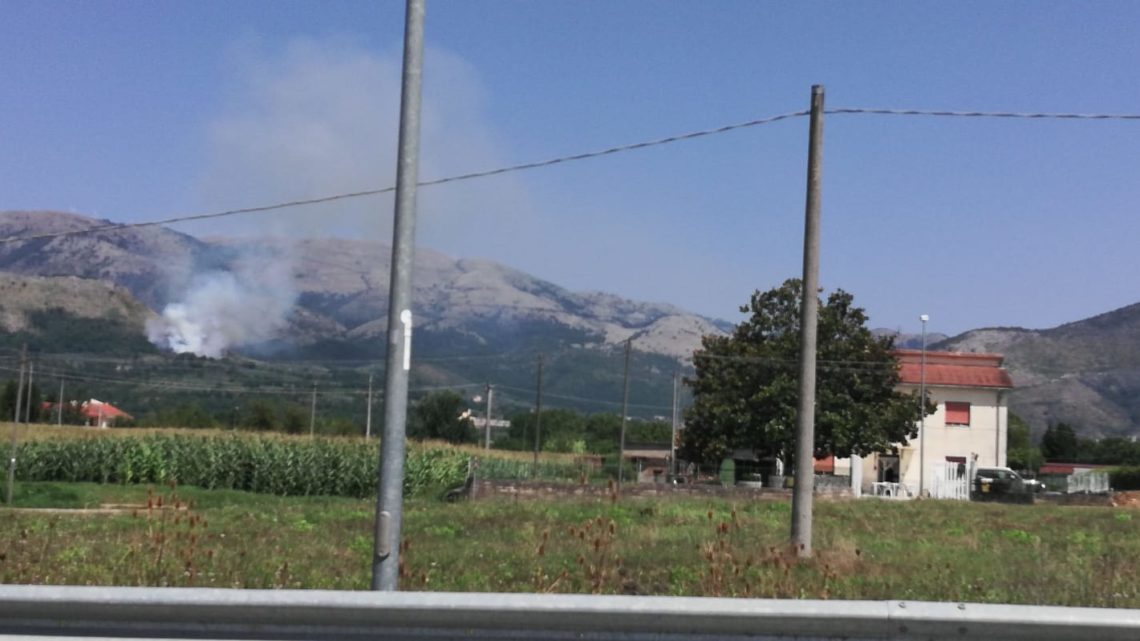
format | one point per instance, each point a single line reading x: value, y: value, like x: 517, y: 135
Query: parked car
x: 998, y: 480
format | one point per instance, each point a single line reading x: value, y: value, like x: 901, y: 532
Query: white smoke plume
x: 320, y: 117
x: 222, y: 310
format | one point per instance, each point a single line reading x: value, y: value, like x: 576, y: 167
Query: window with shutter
x: 957, y: 413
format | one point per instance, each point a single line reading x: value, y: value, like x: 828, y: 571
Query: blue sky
x: 141, y: 110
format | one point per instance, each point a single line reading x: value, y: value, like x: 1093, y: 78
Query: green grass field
x: 868, y: 549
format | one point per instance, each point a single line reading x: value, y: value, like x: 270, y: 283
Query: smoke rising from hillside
x: 223, y: 310
x: 320, y: 117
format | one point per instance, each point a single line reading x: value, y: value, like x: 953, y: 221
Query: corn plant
x: 287, y: 467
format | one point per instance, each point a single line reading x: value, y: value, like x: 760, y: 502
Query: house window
x: 957, y: 413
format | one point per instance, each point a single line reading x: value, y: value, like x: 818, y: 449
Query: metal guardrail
x: 184, y: 613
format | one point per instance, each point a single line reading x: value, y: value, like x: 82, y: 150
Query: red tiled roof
x: 95, y: 409
x: 825, y: 465
x: 1067, y: 468
x: 954, y: 369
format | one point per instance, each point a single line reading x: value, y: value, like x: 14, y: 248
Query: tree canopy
x: 1059, y: 443
x: 1022, y: 454
x: 441, y: 415
x: 745, y: 391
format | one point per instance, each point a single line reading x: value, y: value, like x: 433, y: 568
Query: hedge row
x: 287, y: 467
x: 1124, y: 478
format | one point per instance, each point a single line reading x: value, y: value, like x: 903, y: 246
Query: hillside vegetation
x: 1086, y: 373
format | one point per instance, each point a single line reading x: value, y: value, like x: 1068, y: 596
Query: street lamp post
x: 922, y: 410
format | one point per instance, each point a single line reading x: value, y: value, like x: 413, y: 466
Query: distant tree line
x: 32, y: 406
x: 445, y: 415
x: 1060, y: 443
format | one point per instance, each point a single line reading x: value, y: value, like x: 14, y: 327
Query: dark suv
x: 997, y: 481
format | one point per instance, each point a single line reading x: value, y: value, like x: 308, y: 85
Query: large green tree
x: 1059, y: 443
x: 441, y: 415
x: 745, y: 391
x: 1023, y: 455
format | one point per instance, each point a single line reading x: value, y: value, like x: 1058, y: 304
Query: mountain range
x: 476, y: 320
x: 479, y: 320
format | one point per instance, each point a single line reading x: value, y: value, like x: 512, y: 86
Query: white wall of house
x: 986, y: 436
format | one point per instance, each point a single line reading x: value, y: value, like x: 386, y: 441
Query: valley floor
x: 867, y: 549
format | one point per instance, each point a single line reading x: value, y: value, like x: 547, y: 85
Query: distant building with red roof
x: 101, y: 414
x: 95, y: 413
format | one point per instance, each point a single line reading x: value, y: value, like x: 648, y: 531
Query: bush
x: 282, y: 466
x: 1124, y: 478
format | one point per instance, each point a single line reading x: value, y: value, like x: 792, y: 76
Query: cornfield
x: 286, y: 467
x: 515, y: 470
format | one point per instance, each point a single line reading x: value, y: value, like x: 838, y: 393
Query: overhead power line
x: 980, y: 114
x: 427, y: 183
x: 575, y: 157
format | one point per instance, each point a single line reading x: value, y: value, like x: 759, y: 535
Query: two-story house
x: 969, y: 428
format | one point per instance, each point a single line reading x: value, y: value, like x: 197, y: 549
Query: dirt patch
x: 1126, y: 499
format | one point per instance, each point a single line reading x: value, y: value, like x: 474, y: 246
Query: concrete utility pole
x: 15, y: 428
x: 313, y: 412
x: 537, y: 415
x: 673, y: 440
x: 809, y: 317
x: 28, y: 404
x: 624, y: 413
x: 389, y: 495
x: 922, y: 410
x: 59, y: 415
x: 487, y: 436
x: 20, y: 387
x: 368, y: 415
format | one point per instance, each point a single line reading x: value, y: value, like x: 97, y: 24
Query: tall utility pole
x: 389, y: 495
x: 624, y: 413
x: 537, y: 415
x: 20, y: 387
x: 15, y: 427
x: 313, y: 412
x: 368, y: 414
x: 809, y: 317
x: 922, y: 410
x: 59, y: 415
x: 28, y: 404
x: 487, y: 436
x: 673, y: 441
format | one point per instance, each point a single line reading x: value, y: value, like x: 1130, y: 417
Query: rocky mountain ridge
x: 1085, y: 373
x: 342, y: 285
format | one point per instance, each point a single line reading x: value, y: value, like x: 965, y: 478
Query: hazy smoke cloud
x: 222, y: 310
x: 321, y: 117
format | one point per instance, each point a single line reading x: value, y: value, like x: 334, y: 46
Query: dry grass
x: 864, y: 549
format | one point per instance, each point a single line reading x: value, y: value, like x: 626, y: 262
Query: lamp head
x: 924, y: 318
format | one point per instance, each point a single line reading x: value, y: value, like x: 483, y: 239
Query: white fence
x: 198, y: 613
x: 950, y: 481
x: 1087, y: 483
